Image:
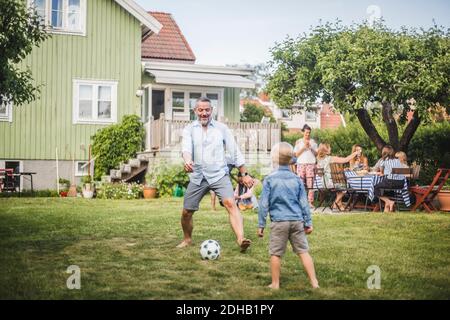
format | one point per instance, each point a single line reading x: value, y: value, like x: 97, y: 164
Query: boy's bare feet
x: 315, y: 284
x: 245, y: 244
x: 273, y: 286
x: 184, y: 243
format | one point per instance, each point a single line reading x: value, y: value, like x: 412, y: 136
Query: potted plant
x: 64, y: 184
x: 444, y: 198
x: 150, y: 187
x: 88, y: 187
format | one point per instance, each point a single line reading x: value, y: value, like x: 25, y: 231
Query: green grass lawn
x: 126, y: 250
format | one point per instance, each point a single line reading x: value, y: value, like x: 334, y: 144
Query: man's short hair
x: 282, y: 153
x: 202, y: 99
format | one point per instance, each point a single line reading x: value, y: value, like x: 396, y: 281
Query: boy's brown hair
x: 282, y: 153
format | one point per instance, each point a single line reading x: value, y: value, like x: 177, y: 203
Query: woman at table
x: 305, y: 150
x: 360, y: 162
x: 401, y: 156
x: 324, y: 159
x: 392, y: 181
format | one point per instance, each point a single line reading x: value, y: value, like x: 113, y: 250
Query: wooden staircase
x: 132, y: 171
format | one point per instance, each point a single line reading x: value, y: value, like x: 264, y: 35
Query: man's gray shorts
x: 194, y: 193
x: 281, y: 232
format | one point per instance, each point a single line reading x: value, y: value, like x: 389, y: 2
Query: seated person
x: 360, y: 162
x: 392, y: 181
x: 324, y: 159
x: 245, y: 199
x: 401, y: 156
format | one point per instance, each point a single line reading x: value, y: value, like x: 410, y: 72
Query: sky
x: 224, y: 32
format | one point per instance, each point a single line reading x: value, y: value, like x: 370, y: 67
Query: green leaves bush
x: 168, y: 177
x: 117, y: 143
x: 430, y: 148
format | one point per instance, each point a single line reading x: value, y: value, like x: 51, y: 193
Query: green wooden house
x: 89, y: 72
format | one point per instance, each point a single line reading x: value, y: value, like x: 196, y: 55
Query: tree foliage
x: 367, y: 71
x: 117, y: 143
x: 254, y: 113
x: 20, y: 29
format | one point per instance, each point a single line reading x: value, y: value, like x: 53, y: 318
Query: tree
x: 254, y: 113
x: 259, y: 74
x: 369, y: 71
x: 20, y: 29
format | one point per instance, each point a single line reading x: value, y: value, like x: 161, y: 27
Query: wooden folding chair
x: 319, y: 185
x: 425, y: 195
x: 396, y: 194
x: 340, y: 183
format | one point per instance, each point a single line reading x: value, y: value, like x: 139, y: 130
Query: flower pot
x: 88, y: 194
x: 149, y: 192
x: 444, y: 200
x: 63, y: 194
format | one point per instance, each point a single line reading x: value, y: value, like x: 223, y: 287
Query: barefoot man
x: 206, y: 144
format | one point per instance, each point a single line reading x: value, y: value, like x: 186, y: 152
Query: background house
x: 320, y: 116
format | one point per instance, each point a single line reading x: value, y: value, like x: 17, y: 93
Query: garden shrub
x: 430, y: 148
x: 117, y: 143
x: 168, y: 177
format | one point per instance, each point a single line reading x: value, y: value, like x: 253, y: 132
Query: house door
x: 157, y: 103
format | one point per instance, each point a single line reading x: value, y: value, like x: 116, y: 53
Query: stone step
x: 115, y: 174
x: 125, y: 168
x: 134, y: 163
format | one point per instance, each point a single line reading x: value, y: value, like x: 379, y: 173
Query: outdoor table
x: 368, y: 183
x: 30, y: 174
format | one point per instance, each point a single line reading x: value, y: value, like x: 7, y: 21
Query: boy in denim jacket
x: 284, y: 198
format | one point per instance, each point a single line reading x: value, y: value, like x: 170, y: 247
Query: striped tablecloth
x: 368, y: 183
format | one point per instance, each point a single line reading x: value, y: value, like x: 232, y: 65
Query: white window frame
x: 81, y: 174
x: 95, y: 84
x: 7, y: 117
x: 64, y: 29
x: 187, y: 90
x: 289, y: 114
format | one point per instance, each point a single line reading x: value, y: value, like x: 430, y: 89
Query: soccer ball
x: 210, y: 250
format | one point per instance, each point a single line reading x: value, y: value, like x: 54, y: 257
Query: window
x: 183, y: 102
x: 94, y: 102
x: 81, y: 168
x: 6, y: 111
x: 178, y: 101
x: 193, y: 97
x: 66, y: 16
x: 285, y: 114
x: 311, y: 116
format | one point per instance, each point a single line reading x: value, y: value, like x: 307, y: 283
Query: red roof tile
x: 169, y: 43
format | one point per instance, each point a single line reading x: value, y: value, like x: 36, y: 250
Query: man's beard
x: 204, y: 122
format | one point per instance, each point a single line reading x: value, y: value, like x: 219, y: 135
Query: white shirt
x: 307, y: 156
x: 211, y: 151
